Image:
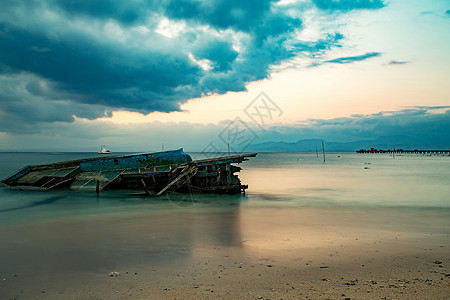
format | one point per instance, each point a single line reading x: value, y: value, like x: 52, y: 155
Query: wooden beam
x: 183, y: 173
x: 147, y: 192
x: 60, y: 183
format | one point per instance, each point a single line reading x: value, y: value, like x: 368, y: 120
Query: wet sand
x: 231, y: 252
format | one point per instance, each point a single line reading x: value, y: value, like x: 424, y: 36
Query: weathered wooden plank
x: 147, y: 192
x: 60, y: 183
x: 88, y: 180
x: 34, y: 176
x: 224, y: 159
x: 184, y: 173
x: 136, y: 161
x: 133, y: 171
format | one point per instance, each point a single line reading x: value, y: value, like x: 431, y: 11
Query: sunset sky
x: 134, y: 75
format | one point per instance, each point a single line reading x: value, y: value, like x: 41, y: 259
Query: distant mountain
x: 309, y: 145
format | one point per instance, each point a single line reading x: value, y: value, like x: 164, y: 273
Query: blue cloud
x: 347, y: 5
x: 123, y: 11
x: 417, y: 127
x: 124, y: 78
x: 220, y: 53
x: 321, y: 45
x: 397, y: 62
x: 113, y: 55
x: 351, y: 59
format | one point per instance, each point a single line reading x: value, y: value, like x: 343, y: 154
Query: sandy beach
x: 232, y: 253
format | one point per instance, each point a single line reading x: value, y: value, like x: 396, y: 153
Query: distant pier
x: 401, y: 151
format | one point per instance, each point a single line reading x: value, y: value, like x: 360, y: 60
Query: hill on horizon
x: 309, y: 145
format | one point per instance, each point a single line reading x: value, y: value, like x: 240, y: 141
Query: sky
x: 140, y: 75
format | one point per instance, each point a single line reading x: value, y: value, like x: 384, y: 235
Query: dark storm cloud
x: 125, y: 77
x: 351, y: 59
x: 346, y: 5
x: 259, y: 18
x: 27, y: 101
x: 125, y: 12
x: 112, y: 54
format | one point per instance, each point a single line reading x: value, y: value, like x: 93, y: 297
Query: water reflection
x: 46, y: 201
x: 81, y: 232
x: 214, y: 219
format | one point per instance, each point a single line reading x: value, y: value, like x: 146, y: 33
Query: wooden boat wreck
x: 154, y: 173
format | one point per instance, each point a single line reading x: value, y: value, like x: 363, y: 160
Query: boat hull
x: 155, y: 173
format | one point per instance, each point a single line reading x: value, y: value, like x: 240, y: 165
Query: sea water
x: 274, y: 180
x: 62, y: 231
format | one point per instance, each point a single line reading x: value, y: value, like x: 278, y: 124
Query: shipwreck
x: 153, y: 173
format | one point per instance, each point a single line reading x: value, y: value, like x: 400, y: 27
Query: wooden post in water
x: 147, y: 192
x: 323, y: 150
x: 317, y: 153
x: 97, y: 188
x: 228, y: 149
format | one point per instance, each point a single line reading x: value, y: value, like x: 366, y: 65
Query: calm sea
x: 60, y: 241
x: 274, y: 179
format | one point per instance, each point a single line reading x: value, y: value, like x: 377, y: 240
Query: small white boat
x: 103, y: 150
